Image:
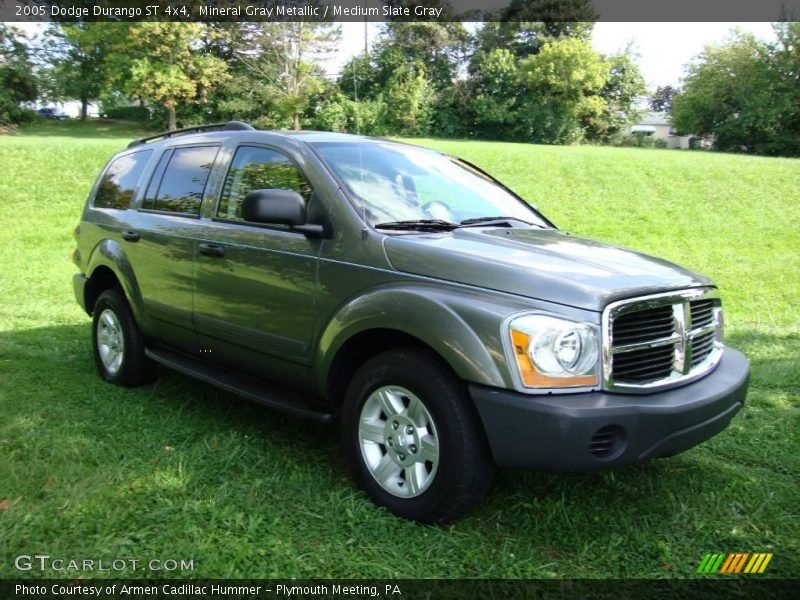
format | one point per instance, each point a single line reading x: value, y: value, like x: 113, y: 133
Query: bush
x: 341, y: 114
x: 128, y: 113
x: 271, y: 121
x: 637, y: 140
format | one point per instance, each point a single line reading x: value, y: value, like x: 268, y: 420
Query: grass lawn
x: 180, y: 470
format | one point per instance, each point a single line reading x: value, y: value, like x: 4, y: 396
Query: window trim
x: 134, y: 191
x: 171, y: 150
x: 164, y: 154
x: 274, y: 226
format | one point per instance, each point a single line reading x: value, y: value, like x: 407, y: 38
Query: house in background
x: 657, y: 125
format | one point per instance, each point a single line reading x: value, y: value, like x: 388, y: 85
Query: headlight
x: 552, y: 352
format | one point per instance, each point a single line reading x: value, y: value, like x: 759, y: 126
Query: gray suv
x: 447, y: 324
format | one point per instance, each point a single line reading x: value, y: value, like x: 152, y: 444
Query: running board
x: 269, y: 395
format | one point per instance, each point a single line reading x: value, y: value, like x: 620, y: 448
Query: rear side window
x: 184, y: 180
x: 255, y: 168
x: 119, y: 181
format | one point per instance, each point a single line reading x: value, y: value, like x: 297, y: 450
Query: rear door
x: 161, y: 240
x: 255, y: 285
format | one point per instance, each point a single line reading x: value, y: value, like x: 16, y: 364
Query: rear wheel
x: 118, y: 343
x: 412, y: 438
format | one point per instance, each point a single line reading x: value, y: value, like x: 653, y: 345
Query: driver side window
x: 255, y: 168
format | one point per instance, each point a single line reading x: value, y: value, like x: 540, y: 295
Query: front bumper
x: 581, y: 432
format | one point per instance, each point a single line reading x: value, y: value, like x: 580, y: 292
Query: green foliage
x: 745, y: 93
x: 525, y: 26
x: 625, y: 84
x: 128, y: 113
x: 159, y: 63
x: 363, y: 77
x: 543, y: 82
x: 77, y: 56
x: 274, y: 70
x: 439, y: 47
x: 340, y: 113
x: 409, y: 100
x: 17, y: 81
x: 638, y: 140
x: 564, y: 93
x: 453, y: 117
x: 496, y: 97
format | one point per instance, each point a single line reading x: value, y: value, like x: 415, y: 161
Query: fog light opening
x: 608, y: 442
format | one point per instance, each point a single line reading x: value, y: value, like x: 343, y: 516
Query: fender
x: 429, y: 313
x: 109, y: 253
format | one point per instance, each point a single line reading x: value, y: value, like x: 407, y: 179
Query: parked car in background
x: 445, y: 322
x: 52, y: 114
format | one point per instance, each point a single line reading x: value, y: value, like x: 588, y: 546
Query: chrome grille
x: 661, y: 340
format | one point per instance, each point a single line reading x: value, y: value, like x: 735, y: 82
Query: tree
x: 495, y: 94
x: 17, y: 81
x: 564, y: 82
x: 287, y: 62
x: 524, y: 26
x: 745, y: 94
x: 77, y: 54
x: 275, y: 78
x: 409, y: 99
x: 661, y: 99
x: 440, y: 47
x: 159, y: 62
x: 621, y: 92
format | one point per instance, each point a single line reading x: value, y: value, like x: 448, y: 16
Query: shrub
x: 637, y: 140
x: 128, y: 113
x: 341, y: 114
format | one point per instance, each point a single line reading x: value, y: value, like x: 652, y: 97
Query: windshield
x: 395, y: 182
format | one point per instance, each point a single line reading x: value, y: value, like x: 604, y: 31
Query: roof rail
x: 229, y: 126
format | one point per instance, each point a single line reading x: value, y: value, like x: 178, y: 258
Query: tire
x: 118, y: 344
x: 429, y: 461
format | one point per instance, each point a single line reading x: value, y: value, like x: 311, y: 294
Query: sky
x: 661, y: 49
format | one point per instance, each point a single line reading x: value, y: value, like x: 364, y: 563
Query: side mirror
x: 279, y: 207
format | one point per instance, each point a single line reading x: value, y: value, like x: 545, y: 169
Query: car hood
x: 548, y: 265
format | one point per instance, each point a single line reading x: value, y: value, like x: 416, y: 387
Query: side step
x: 248, y: 387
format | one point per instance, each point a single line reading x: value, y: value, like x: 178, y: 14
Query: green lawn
x: 180, y: 470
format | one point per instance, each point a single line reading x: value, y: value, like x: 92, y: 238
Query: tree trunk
x: 84, y: 108
x: 172, y: 122
x: 296, y: 121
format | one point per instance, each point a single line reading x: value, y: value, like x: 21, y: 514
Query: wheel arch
x: 395, y: 317
x: 108, y: 267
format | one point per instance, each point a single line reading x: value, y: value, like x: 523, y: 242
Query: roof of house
x: 654, y: 118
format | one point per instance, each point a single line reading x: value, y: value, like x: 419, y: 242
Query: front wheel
x: 413, y: 440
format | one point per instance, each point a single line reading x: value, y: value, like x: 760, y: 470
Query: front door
x: 255, y: 285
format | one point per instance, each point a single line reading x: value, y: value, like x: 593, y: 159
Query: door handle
x: 214, y: 250
x: 130, y: 235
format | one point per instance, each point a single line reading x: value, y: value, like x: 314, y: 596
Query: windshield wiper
x: 419, y: 225
x: 483, y: 221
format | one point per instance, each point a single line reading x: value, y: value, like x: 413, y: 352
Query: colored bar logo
x: 735, y: 562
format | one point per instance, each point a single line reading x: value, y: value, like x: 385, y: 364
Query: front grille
x: 702, y: 347
x: 643, y: 325
x: 642, y: 366
x: 661, y: 339
x: 702, y: 313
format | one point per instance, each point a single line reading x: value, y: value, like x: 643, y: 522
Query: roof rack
x: 229, y: 126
